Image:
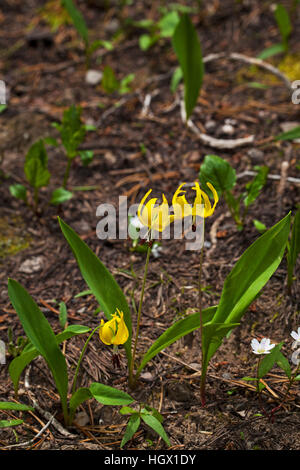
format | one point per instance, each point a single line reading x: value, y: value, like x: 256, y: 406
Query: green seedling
x: 111, y: 84
x: 285, y: 28
x: 36, y: 172
x: 162, y: 29
x: 82, y: 30
x: 222, y: 176
x: 11, y: 406
x: 72, y: 133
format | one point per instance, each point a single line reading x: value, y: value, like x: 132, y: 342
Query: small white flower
x: 156, y: 250
x: 262, y: 347
x: 135, y: 222
x: 296, y: 337
x: 296, y: 357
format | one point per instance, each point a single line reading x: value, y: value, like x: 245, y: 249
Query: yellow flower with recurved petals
x: 155, y: 217
x: 201, y: 207
x: 115, y: 330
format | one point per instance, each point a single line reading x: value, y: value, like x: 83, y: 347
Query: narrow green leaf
x: 63, y: 314
x: 77, y: 19
x: 174, y: 332
x: 188, y: 50
x: 249, y: 275
x: 29, y: 353
x: 10, y: 405
x: 8, y: 423
x: 271, y: 51
x: 283, y: 21
x: 153, y: 423
x: 254, y: 187
x: 131, y: 428
x: 293, y: 246
x: 41, y: 335
x: 109, y: 395
x: 103, y: 285
x: 289, y: 135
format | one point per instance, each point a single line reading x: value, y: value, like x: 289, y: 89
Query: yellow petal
x: 107, y: 331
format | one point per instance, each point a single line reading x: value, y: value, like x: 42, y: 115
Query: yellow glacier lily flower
x: 156, y: 218
x: 203, y: 209
x: 115, y: 330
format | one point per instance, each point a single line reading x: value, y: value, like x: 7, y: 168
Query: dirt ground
x: 135, y: 151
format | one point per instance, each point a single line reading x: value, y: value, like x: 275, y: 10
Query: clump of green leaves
x: 72, y: 133
x: 110, y: 83
x: 222, y: 176
x: 36, y: 172
x: 82, y: 29
x: 151, y: 418
x: 164, y: 28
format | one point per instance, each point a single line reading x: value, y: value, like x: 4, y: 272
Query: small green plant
x: 82, y: 29
x: 222, y: 176
x: 72, y: 133
x: 151, y: 418
x: 110, y: 83
x: 36, y: 172
x: 164, y: 28
x: 15, y: 348
x: 285, y: 28
x: 272, y: 356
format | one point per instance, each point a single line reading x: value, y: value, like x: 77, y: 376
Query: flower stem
x: 203, y: 373
x: 81, y: 356
x: 131, y: 379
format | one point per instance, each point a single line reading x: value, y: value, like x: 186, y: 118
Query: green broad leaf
x: 77, y: 19
x: 10, y: 405
x: 72, y: 130
x: 218, y: 172
x: 269, y: 360
x: 109, y: 395
x: 249, y: 275
x: 109, y: 81
x: 36, y: 165
x: 153, y: 423
x: 174, y: 332
x: 81, y: 395
x: 18, y: 191
x: 8, y: 423
x: 289, y: 135
x: 60, y: 195
x: 41, y: 335
x: 168, y: 23
x: 293, y: 246
x: 254, y: 187
x: 188, y: 50
x: 103, y: 285
x: 131, y: 428
x: 283, y: 21
x: 176, y: 79
x: 3, y: 107
x: 63, y: 314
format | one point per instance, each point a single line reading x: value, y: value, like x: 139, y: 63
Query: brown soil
x: 46, y: 76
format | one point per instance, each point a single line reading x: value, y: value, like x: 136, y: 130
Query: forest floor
x: 138, y: 148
